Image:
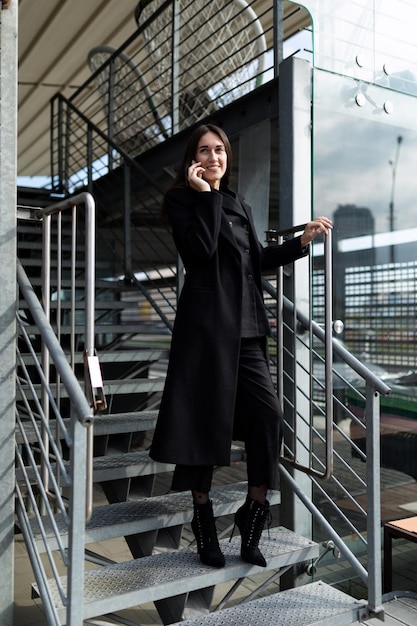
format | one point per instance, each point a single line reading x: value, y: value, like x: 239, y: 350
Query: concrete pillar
x: 8, y: 140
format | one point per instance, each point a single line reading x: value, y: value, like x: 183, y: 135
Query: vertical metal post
x: 110, y: 111
x: 46, y: 305
x: 61, y: 174
x: 175, y: 104
x: 373, y: 481
x: 90, y: 244
x: 328, y: 350
x: 90, y: 159
x: 76, y: 547
x: 280, y: 332
x: 8, y: 151
x: 127, y: 237
x: 73, y: 287
x: 66, y: 143
x: 278, y: 35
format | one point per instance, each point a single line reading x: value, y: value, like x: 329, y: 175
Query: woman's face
x: 212, y: 155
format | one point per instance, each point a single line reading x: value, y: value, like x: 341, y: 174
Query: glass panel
x: 364, y: 178
x: 371, y: 40
x: 364, y: 146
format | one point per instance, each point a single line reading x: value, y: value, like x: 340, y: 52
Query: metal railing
x: 54, y: 413
x: 185, y: 60
x: 45, y: 483
x: 141, y: 94
x: 137, y: 238
x: 330, y: 429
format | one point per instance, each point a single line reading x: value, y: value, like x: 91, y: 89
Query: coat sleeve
x: 289, y: 251
x: 195, y: 218
x: 275, y: 256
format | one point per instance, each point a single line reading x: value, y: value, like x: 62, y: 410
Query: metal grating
x: 166, y: 575
x: 316, y: 604
x: 145, y: 514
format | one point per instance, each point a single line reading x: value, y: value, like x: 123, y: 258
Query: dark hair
x: 191, y: 150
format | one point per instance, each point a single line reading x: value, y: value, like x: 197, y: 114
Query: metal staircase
x: 65, y: 452
x: 97, y: 301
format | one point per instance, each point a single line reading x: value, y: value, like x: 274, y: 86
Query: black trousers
x: 257, y: 422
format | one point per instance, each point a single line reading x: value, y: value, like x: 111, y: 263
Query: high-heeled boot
x: 251, y: 519
x: 204, y: 529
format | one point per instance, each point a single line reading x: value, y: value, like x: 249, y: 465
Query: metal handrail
x: 41, y: 315
x: 87, y: 200
x: 95, y: 396
x: 362, y: 370
x: 331, y: 346
x: 374, y: 388
x: 282, y: 301
x: 77, y: 476
x: 80, y: 404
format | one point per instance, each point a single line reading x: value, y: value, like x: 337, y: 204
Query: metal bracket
x: 365, y: 613
x: 329, y: 546
x: 29, y: 213
x: 94, y: 383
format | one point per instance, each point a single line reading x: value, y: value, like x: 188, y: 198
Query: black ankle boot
x: 204, y: 529
x: 250, y: 519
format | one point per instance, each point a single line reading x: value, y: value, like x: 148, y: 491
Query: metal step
x: 111, y: 424
x: 111, y: 387
x: 167, y: 575
x: 100, y: 284
x: 121, y: 329
x: 315, y: 604
x: 64, y: 263
x: 127, y: 465
x: 141, y: 355
x: 37, y: 246
x: 80, y: 305
x: 144, y: 515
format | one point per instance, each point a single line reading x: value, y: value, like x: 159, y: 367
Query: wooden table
x: 398, y: 529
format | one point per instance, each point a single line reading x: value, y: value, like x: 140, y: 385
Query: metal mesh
x: 226, y: 36
x: 133, y: 119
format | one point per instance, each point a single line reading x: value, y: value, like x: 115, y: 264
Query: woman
x: 218, y: 386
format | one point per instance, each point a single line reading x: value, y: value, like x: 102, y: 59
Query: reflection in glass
x: 363, y: 164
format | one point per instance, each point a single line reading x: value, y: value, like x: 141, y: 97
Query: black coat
x: 195, y: 423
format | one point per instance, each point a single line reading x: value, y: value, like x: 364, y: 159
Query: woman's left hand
x: 316, y: 227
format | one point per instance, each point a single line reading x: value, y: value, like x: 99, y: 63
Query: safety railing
x: 46, y: 484
x: 136, y: 236
x: 345, y: 500
x: 154, y: 84
x: 185, y: 60
x: 54, y: 411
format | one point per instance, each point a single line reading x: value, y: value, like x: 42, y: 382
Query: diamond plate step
x: 144, y: 515
x: 111, y: 424
x: 160, y: 576
x: 315, y: 604
x: 127, y: 465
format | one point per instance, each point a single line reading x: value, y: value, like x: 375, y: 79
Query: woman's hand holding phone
x: 195, y: 177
